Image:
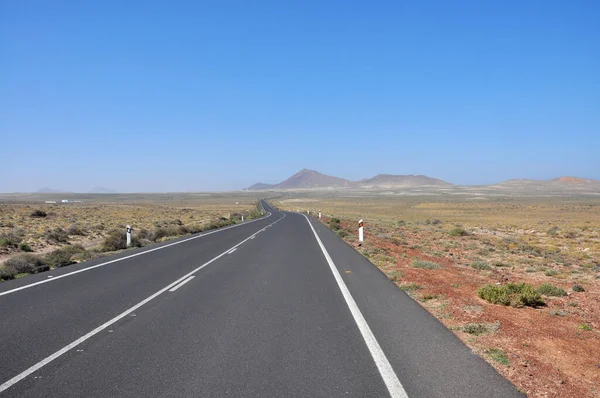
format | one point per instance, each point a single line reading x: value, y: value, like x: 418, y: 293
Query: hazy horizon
x: 94, y: 189
x: 214, y: 97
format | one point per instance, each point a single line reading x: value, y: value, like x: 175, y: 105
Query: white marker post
x: 242, y: 217
x: 319, y: 213
x: 308, y: 211
x: 361, y: 236
x: 129, y: 235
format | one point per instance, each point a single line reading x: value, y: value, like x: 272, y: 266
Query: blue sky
x: 218, y: 95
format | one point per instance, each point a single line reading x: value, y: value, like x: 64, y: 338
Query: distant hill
x: 563, y: 182
x: 259, y: 186
x: 50, y: 190
x: 311, y: 179
x: 575, y: 181
x: 101, y: 190
x: 393, y: 181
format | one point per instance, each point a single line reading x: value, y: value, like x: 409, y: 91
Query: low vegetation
x: 334, y: 223
x: 38, y: 213
x: 458, y: 232
x: 578, y: 288
x: 513, y: 294
x: 480, y: 265
x: 97, y: 223
x: 530, y: 241
x: 25, y: 264
x: 58, y: 258
x: 548, y: 289
x: 425, y: 264
x: 498, y: 355
x: 480, y: 328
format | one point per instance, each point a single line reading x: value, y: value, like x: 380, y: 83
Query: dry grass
x: 89, y: 223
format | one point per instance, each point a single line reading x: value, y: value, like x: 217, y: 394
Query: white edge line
x: 83, y: 338
x: 386, y: 371
x: 182, y: 283
x: 54, y: 278
x: 231, y: 251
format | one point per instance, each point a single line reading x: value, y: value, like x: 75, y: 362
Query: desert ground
x: 36, y: 236
x: 515, y: 277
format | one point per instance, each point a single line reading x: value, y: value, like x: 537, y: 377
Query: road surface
x: 274, y: 307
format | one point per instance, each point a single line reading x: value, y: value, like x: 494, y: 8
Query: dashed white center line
x: 186, y: 278
x: 181, y: 284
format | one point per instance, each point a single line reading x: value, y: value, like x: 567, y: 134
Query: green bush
x: 550, y: 272
x: 159, y: 233
x: 480, y: 265
x: 334, y: 223
x: 183, y: 230
x: 514, y: 294
x: 11, y: 239
x: 144, y: 234
x: 410, y: 287
x: 76, y: 229
x: 481, y: 328
x: 548, y: 289
x: 38, y: 213
x: 424, y: 264
x: 116, y: 240
x: 58, y: 235
x: 498, y: 355
x: 58, y: 258
x: 458, y: 232
x: 341, y: 233
x: 25, y: 264
x: 25, y: 247
x: 194, y: 229
x: 578, y: 288
x: 5, y: 275
x: 219, y: 223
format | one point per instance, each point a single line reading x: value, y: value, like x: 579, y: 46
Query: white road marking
x: 100, y: 328
x: 182, y: 283
x: 232, y: 251
x: 53, y: 278
x: 252, y: 237
x: 386, y: 371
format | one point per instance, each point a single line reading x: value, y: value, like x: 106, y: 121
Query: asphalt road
x: 275, y: 307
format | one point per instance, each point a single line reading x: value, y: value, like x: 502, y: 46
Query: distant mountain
x: 310, y: 179
x: 50, y: 190
x: 101, y: 190
x: 397, y: 181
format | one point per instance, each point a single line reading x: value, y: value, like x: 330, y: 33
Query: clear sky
x: 218, y: 95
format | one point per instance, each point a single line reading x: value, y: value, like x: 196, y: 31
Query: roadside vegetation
x: 59, y: 245
x: 516, y: 280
